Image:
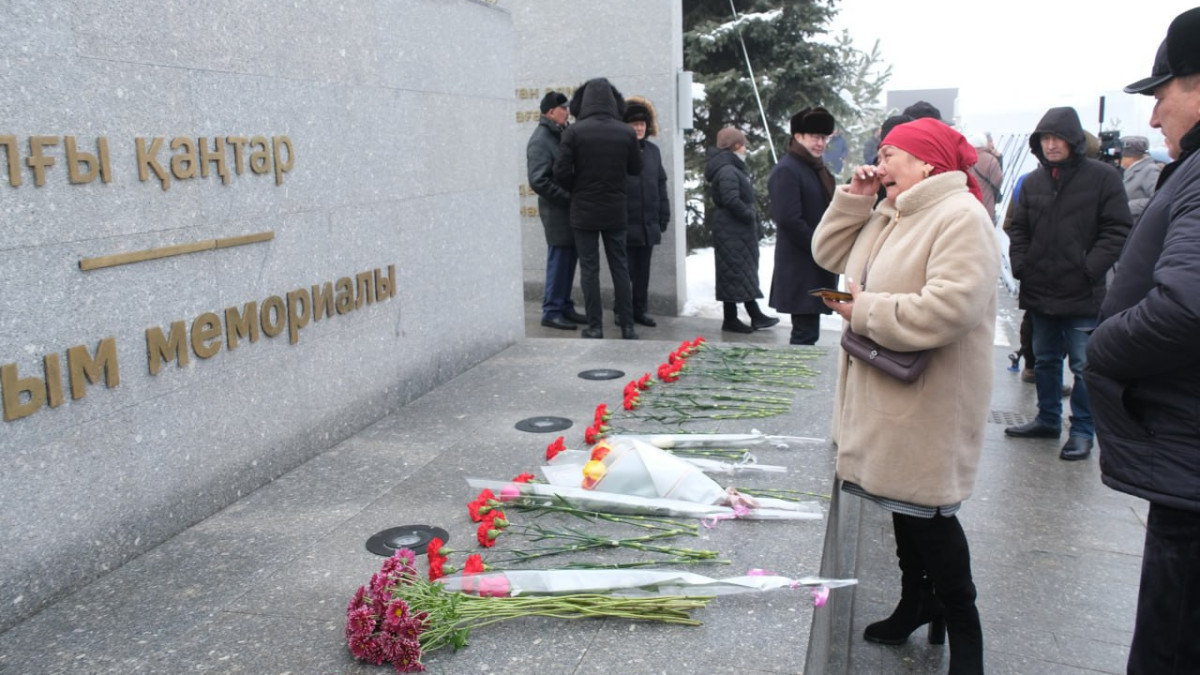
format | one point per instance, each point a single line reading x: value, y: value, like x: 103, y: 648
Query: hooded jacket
x: 1143, y: 368
x: 595, y: 156
x: 734, y: 227
x: 647, y: 201
x: 1069, y: 224
x: 553, y: 201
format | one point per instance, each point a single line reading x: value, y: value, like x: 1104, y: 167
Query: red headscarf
x: 935, y: 143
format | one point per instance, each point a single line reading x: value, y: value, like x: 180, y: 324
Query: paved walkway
x: 261, y: 587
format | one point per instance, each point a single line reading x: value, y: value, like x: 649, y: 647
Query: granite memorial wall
x: 234, y: 233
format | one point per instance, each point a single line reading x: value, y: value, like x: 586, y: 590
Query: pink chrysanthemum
x: 359, y: 599
x: 396, y: 614
x: 367, y: 648
x: 360, y: 622
x: 405, y: 655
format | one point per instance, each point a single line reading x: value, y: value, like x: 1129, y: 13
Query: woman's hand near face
x: 846, y: 308
x: 865, y: 180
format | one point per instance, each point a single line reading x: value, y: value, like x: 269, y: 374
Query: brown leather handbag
x: 904, y: 366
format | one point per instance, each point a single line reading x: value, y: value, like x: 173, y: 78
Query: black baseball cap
x: 1178, y: 55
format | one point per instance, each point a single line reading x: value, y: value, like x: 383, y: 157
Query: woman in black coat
x: 735, y: 232
x: 648, y: 205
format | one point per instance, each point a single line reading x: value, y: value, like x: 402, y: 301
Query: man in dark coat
x: 595, y: 156
x: 558, y: 309
x: 800, y: 187
x: 1070, y: 222
x: 1143, y: 369
x: 649, y: 206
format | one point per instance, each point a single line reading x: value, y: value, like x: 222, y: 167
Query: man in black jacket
x: 558, y: 310
x: 1143, y: 369
x: 1070, y: 222
x: 594, y: 158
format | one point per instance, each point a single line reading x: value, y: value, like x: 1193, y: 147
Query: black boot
x: 918, y: 605
x: 732, y: 323
x: 758, y: 320
x: 947, y: 561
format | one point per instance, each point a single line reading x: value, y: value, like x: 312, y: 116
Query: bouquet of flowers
x: 634, y: 582
x: 399, y: 616
x: 611, y: 502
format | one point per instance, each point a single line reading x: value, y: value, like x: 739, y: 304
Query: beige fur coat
x: 931, y: 285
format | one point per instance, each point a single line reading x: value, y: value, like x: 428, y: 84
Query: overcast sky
x: 1013, y: 60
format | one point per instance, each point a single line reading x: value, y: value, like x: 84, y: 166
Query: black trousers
x: 639, y: 276
x: 806, y: 329
x: 587, y: 244
x: 1168, y: 609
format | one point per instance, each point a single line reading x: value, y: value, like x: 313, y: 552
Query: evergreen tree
x: 794, y: 65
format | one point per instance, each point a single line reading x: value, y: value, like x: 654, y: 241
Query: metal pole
x: 753, y: 83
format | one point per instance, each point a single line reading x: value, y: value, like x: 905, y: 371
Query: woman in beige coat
x: 921, y: 268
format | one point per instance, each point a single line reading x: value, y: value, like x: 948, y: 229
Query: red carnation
x: 436, y: 559
x: 668, y: 373
x: 601, y: 415
x: 632, y: 402
x: 482, y: 505
x: 554, y: 448
x: 524, y: 478
x: 486, y: 534
x: 591, y: 435
x: 474, y: 564
x: 644, y: 382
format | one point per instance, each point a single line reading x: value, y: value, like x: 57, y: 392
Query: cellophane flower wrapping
x: 609, y: 502
x: 632, y: 582
x: 636, y: 468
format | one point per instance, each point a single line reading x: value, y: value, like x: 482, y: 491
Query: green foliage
x: 795, y: 65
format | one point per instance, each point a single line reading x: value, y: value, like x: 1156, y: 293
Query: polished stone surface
x: 262, y: 585
x: 385, y: 116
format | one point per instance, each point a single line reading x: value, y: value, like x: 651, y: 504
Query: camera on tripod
x: 1110, y: 148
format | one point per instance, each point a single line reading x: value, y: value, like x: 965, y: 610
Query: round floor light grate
x: 544, y: 424
x: 413, y: 537
x: 602, y: 374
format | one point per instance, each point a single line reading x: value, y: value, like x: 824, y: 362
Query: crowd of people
x: 1108, y: 262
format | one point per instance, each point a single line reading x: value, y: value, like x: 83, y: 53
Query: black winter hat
x: 636, y: 112
x: 812, y: 121
x: 891, y: 123
x: 552, y: 100
x: 922, y: 109
x: 1178, y: 55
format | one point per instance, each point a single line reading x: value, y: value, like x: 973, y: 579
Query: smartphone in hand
x: 832, y: 294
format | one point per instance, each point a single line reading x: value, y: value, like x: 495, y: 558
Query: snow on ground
x: 701, y: 301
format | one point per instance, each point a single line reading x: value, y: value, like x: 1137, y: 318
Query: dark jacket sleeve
x: 664, y: 203
x: 787, y: 206
x: 727, y: 194
x: 1159, y: 333
x: 564, y: 161
x: 539, y: 162
x: 1019, y: 234
x: 1114, y: 226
